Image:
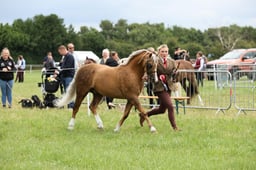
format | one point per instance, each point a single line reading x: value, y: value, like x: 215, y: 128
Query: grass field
x: 39, y: 139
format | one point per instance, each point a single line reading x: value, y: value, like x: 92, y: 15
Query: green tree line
x: 34, y: 37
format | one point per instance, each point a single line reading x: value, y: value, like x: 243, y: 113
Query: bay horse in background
x: 187, y: 79
x: 123, y: 82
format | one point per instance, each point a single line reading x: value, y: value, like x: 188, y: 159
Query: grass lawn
x: 39, y: 139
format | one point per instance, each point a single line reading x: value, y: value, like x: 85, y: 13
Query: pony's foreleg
x: 141, y: 110
x: 152, y: 128
x: 125, y: 115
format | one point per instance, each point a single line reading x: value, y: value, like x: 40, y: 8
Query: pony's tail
x: 69, y: 95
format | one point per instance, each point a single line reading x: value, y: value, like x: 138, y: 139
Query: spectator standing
x: 21, y: 65
x: 181, y: 54
x: 7, y: 68
x: 71, y: 50
x: 67, y: 69
x: 200, y: 66
x: 105, y: 56
x: 17, y: 66
x: 112, y: 61
x: 46, y: 57
x: 165, y: 70
x: 50, y: 63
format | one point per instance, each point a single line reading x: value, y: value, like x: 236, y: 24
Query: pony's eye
x: 149, y: 66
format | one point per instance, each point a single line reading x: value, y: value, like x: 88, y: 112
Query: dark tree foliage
x: 34, y: 37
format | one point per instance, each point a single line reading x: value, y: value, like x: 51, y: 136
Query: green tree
x: 45, y: 33
x: 92, y: 40
x: 15, y: 40
x: 120, y: 30
x: 73, y: 37
x: 107, y: 29
x: 35, y: 36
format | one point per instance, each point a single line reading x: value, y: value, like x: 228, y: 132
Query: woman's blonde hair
x: 162, y: 46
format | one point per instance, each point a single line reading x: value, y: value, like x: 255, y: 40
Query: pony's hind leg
x: 78, y: 101
x: 125, y: 115
x: 93, y: 106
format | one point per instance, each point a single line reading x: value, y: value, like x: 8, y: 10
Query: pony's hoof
x: 100, y: 127
x: 153, y: 129
x: 70, y: 127
x: 116, y: 130
x: 177, y: 129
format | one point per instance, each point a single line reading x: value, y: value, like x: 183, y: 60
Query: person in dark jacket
x: 67, y: 69
x: 7, y: 69
x: 111, y: 61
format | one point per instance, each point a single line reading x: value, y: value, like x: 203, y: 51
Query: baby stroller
x: 50, y: 85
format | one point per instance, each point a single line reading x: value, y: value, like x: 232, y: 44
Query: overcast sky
x: 198, y: 14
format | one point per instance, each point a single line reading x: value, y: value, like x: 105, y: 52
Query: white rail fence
x: 245, y: 91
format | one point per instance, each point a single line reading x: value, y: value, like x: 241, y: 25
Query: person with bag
x: 7, y: 69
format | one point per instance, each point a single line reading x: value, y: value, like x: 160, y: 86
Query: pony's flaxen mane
x: 132, y: 55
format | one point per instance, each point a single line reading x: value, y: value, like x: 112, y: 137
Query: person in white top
x: 21, y: 65
x: 200, y: 66
x: 105, y: 56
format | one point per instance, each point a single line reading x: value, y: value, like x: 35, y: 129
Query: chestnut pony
x: 123, y: 82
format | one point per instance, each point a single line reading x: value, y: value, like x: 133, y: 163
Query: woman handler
x: 165, y: 69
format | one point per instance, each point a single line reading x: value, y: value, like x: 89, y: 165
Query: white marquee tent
x: 82, y: 55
